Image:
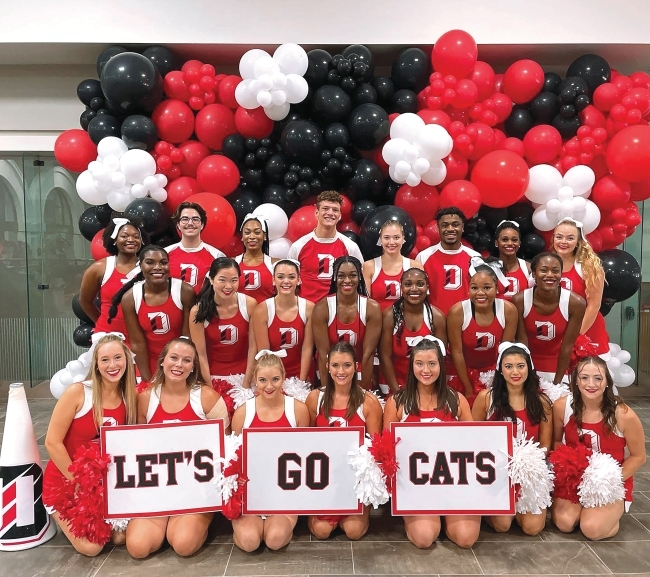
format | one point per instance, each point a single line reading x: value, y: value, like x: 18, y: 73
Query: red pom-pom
x: 383, y: 451
x: 569, y: 463
x: 584, y: 347
x: 222, y: 387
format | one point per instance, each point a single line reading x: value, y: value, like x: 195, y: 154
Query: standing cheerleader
x: 507, y: 241
x: 107, y: 398
x: 549, y: 318
x: 383, y: 274
x: 347, y: 315
x: 426, y: 398
x: 582, y: 273
x: 255, y: 264
x: 156, y: 310
x: 343, y: 403
x: 176, y: 394
x: 220, y: 324
x: 283, y: 322
x: 594, y: 416
x: 515, y: 396
x: 270, y: 409
x: 411, y: 316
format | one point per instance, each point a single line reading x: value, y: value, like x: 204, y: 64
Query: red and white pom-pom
x: 238, y: 392
x: 486, y: 378
x: 231, y: 481
x: 531, y: 476
x: 223, y: 388
x: 382, y: 449
x: 553, y: 392
x: 602, y: 481
x: 370, y: 484
x: 569, y: 463
x: 294, y: 387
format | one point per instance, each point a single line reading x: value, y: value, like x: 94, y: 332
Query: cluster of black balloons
x: 622, y: 277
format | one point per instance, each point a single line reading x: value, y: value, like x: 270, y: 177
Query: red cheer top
x: 256, y: 280
x: 288, y: 418
x: 518, y: 280
x: 287, y: 335
x: 480, y: 344
x: 352, y: 332
x: 386, y: 288
x: 191, y: 265
x: 226, y: 342
x: 402, y: 345
x: 193, y: 411
x: 337, y: 416
x: 112, y: 282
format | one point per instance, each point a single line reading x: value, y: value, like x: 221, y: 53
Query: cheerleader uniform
x: 386, y: 288
x: 402, y: 347
x: 596, y: 437
x: 353, y: 332
x: 82, y: 432
x: 226, y: 342
x: 480, y: 344
x: 193, y: 411
x: 191, y: 265
x: 112, y: 282
x: 572, y: 280
x: 545, y: 332
x: 518, y: 280
x: 160, y: 323
x: 288, y: 418
x: 523, y: 428
x: 256, y: 280
x: 435, y: 416
x: 287, y: 335
x: 337, y: 416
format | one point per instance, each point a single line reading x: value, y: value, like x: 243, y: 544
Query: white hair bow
x: 477, y: 261
x: 281, y: 353
x: 283, y: 260
x: 414, y: 341
x: 263, y: 220
x: 576, y: 223
x: 119, y: 223
x: 504, y: 346
x: 512, y: 222
x: 96, y: 337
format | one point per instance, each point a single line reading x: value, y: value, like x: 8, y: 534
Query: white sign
x: 451, y: 468
x: 162, y: 469
x: 301, y: 471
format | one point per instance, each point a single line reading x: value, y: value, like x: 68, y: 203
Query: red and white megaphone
x: 24, y: 523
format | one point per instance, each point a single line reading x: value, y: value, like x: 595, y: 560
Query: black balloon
x: 368, y: 125
x: 106, y: 55
x: 302, y: 141
x: 519, y: 122
x: 364, y: 94
x: 154, y: 215
x: 572, y: 87
x: 254, y: 178
x: 233, y: 147
x: 366, y: 182
x: 280, y: 195
x: 606, y: 307
x: 362, y: 55
x: 361, y: 209
x: 132, y: 83
x: 89, y: 223
x: 243, y: 202
x: 353, y: 236
x: 493, y: 216
x: 85, y: 118
x: 162, y: 58
x: 522, y: 214
x: 79, y: 312
x: 544, y: 107
x: 531, y: 245
x: 337, y: 134
x: 371, y: 227
x: 103, y: 213
x: 330, y: 104
x: 411, y: 70
x: 276, y: 167
x: 103, y: 125
x: 404, y: 101
x: 82, y: 335
x: 385, y: 89
x: 139, y: 131
x: 593, y: 69
x: 622, y: 275
x: 89, y: 89
x: 552, y: 82
x: 318, y: 67
x: 567, y: 127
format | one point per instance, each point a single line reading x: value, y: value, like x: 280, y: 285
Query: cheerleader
x: 383, y: 274
x: 156, y: 308
x: 270, y: 409
x: 255, y: 264
x: 549, y: 318
x: 343, y: 403
x: 283, y: 322
x: 122, y: 239
x: 582, y: 273
x: 175, y: 394
x: 107, y: 398
x: 411, y: 316
x: 594, y: 416
x: 477, y: 325
x: 220, y: 324
x: 507, y: 241
x: 426, y: 398
x: 348, y: 315
x: 515, y: 396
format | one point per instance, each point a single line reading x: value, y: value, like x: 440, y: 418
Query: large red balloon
x: 483, y: 76
x: 221, y: 218
x: 542, y: 144
x: 233, y: 247
x: 219, y: 174
x: 420, y: 201
x: 431, y: 230
x: 253, y: 123
x: 175, y: 87
x: 455, y: 53
x: 74, y: 150
x: 610, y: 193
x: 457, y: 167
x: 193, y: 154
x: 640, y: 191
x: 523, y: 80
x: 302, y: 222
x: 628, y: 153
x: 179, y: 190
x: 501, y: 177
x: 227, y: 91
x: 213, y: 123
x: 97, y: 250
x: 463, y: 195
x: 174, y: 121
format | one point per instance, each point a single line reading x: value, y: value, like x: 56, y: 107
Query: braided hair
x: 361, y: 286
x: 206, y: 307
x: 398, y: 307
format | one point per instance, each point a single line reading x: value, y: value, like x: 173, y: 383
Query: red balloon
x: 253, y: 123
x: 513, y: 145
x: 233, y: 247
x: 599, y: 166
x: 346, y: 208
x: 302, y: 222
x: 227, y: 91
x: 498, y: 83
x: 179, y: 190
x: 97, y: 250
x: 218, y: 174
x: 640, y: 191
x: 431, y: 230
x: 435, y: 117
x: 74, y: 150
x: 221, y: 218
x: 592, y: 117
x: 523, y: 80
x: 420, y: 201
x: 606, y: 96
x: 542, y: 144
x: 466, y: 94
x: 595, y: 240
x: 213, y: 124
x: 484, y: 77
x: 628, y: 153
x: 640, y: 79
x: 193, y: 154
x: 455, y: 53
x: 457, y: 167
x: 174, y: 121
x: 610, y: 192
x: 422, y: 242
x: 348, y: 226
x: 463, y: 195
x: 501, y: 177
x: 175, y: 87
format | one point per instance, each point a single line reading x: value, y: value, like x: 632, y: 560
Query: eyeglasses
x: 187, y: 219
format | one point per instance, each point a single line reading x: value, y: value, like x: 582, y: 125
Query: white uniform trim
x: 175, y: 293
x: 351, y: 246
x: 243, y: 307
x: 321, y: 396
x: 195, y: 402
x: 406, y: 264
x: 270, y: 310
x: 331, y: 309
x: 215, y: 252
x: 499, y: 312
x: 110, y: 268
x: 524, y: 267
x: 88, y: 400
x: 565, y: 297
x: 268, y: 262
x: 568, y: 413
x: 424, y: 256
x: 289, y: 411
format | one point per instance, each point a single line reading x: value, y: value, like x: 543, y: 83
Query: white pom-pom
x: 294, y: 387
x: 119, y: 525
x: 239, y: 393
x: 228, y: 485
x: 381, y: 400
x: 370, y: 484
x: 486, y: 378
x: 527, y: 468
x: 553, y: 392
x: 602, y: 482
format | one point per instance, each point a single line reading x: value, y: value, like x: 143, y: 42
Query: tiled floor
x: 384, y: 551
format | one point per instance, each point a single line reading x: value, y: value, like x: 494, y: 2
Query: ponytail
x: 117, y: 299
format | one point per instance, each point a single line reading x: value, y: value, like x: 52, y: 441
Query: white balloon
x: 625, y: 376
x: 614, y: 363
x: 278, y: 97
x: 119, y: 200
x: 92, y: 165
x: 103, y: 186
x: 411, y: 153
x: 159, y: 194
x: 264, y: 82
x: 624, y: 357
x: 111, y: 145
x: 248, y: 60
x: 436, y: 174
x: 161, y: 179
x: 279, y: 81
x: 279, y: 247
x: 265, y: 65
x: 74, y: 367
x: 591, y: 218
x: 244, y: 96
x: 117, y: 179
x: 565, y: 193
x: 413, y: 179
x: 434, y: 142
x: 296, y: 89
x: 86, y: 358
x: 101, y: 173
x: 393, y: 150
x: 136, y: 165
x: 263, y: 98
x: 291, y: 58
x: 79, y: 377
x: 542, y: 220
x: 138, y: 191
x: 276, y: 219
x: 614, y: 349
x: 579, y: 203
x: 56, y: 386
x: 87, y: 191
x: 545, y: 181
x: 421, y: 165
x: 112, y: 162
x: 65, y: 378
x: 580, y: 178
x: 150, y: 182
x: 406, y: 126
x: 277, y: 112
x: 402, y: 168
x: 553, y: 206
